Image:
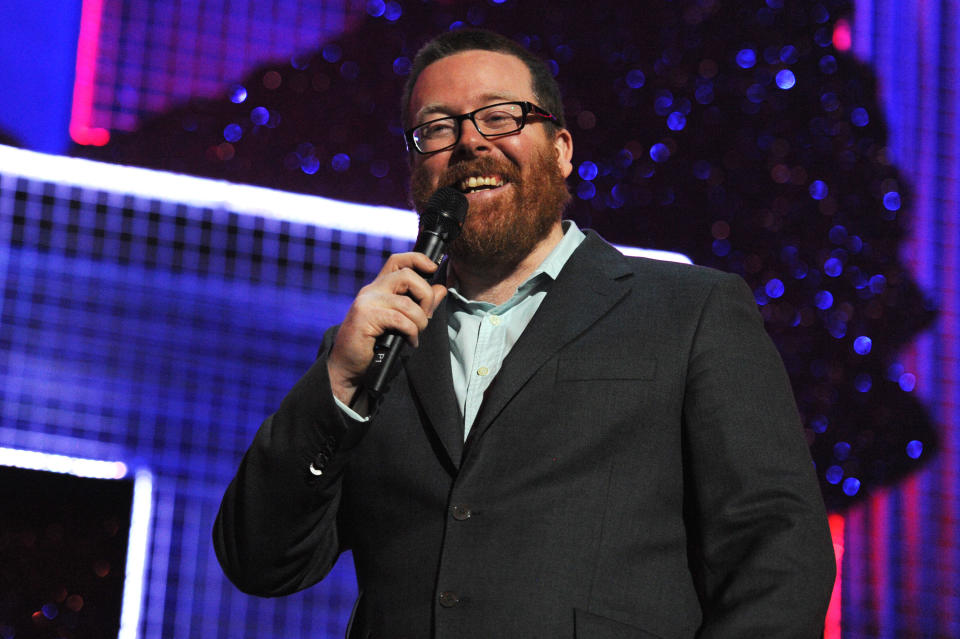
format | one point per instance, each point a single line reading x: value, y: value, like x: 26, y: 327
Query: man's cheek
x: 434, y: 171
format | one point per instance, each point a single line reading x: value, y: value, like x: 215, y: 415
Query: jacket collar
x: 593, y: 281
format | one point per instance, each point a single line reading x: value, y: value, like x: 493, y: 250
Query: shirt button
x: 483, y: 370
x: 461, y: 513
x: 449, y: 599
x: 495, y: 320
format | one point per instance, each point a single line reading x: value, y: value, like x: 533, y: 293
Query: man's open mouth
x: 475, y: 183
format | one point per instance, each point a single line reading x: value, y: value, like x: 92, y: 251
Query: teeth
x: 474, y: 182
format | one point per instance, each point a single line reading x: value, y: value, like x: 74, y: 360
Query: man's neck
x: 487, y: 283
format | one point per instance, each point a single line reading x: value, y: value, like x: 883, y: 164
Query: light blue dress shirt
x: 481, y: 334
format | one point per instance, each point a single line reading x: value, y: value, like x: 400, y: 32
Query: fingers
x: 407, y: 285
x: 411, y: 260
x: 399, y: 314
x: 399, y: 300
x: 406, y: 274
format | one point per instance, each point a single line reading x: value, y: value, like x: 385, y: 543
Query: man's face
x: 523, y: 189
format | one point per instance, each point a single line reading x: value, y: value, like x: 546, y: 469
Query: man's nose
x: 471, y: 141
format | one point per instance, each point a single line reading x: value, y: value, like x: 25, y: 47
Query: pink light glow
x: 913, y: 523
x: 832, y: 627
x: 81, y: 129
x: 883, y: 549
x: 842, y: 37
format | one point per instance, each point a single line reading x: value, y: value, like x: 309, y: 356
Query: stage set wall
x: 159, y: 331
x: 902, y: 550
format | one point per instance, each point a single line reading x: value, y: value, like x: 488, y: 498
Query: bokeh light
x: 746, y: 58
x: 775, y: 288
x: 636, y: 78
x: 786, y: 79
x: 914, y: 449
x: 676, y: 121
x: 819, y: 190
x: 891, y: 201
x: 586, y: 190
x: 907, y: 382
x: 833, y: 267
x: 834, y: 474
x: 238, y: 94
x: 260, y: 115
x: 232, y: 132
x: 587, y: 170
x: 340, y: 162
x: 851, y: 486
x: 860, y: 117
x: 659, y: 152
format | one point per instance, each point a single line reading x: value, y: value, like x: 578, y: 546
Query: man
x: 581, y: 445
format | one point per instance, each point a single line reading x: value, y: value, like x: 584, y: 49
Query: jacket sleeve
x: 276, y: 531
x: 764, y: 559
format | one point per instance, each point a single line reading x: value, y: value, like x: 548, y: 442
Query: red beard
x: 501, y: 236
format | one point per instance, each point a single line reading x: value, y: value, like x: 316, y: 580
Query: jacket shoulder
x: 676, y: 276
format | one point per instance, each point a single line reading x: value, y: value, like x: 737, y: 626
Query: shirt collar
x: 553, y: 263
x: 549, y: 268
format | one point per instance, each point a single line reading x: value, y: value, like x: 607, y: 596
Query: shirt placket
x: 486, y: 364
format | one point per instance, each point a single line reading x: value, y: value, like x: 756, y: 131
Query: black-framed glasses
x: 491, y: 121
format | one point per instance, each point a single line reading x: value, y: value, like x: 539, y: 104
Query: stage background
x: 160, y: 330
x: 902, y: 561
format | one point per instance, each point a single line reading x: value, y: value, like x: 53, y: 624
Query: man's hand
x: 397, y: 300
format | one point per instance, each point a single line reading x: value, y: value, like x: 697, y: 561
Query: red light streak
x: 832, y: 627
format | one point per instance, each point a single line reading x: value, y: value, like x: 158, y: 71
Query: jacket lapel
x: 593, y: 281
x: 428, y: 369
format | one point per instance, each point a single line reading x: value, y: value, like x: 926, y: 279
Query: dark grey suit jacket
x: 637, y: 469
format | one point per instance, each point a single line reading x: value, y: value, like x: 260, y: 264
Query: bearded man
x: 581, y: 445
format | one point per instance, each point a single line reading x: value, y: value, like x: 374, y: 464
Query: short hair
x: 545, y: 87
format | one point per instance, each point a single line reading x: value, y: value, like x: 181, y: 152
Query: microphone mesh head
x: 445, y: 212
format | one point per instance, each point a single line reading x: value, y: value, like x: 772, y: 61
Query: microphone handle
x: 388, y: 346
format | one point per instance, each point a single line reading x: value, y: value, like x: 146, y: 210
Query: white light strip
x: 216, y: 194
x: 138, y: 545
x: 654, y: 254
x: 76, y: 466
x: 243, y: 199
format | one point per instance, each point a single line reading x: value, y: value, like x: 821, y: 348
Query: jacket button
x: 448, y: 599
x: 461, y: 513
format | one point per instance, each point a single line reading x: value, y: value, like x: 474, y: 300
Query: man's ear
x: 563, y: 143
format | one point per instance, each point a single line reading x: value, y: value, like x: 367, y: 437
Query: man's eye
x: 498, y: 118
x: 436, y: 129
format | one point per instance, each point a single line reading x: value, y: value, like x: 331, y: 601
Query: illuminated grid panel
x: 902, y: 560
x: 161, y: 333
x: 153, y: 54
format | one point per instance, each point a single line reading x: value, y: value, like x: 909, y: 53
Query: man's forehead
x: 490, y: 97
x: 475, y: 74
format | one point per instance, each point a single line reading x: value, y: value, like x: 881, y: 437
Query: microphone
x: 440, y: 224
